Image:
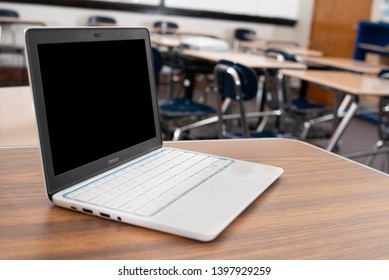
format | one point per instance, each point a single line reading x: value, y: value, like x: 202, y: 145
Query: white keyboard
x: 149, y: 185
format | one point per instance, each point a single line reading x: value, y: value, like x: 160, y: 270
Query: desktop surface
x: 323, y: 207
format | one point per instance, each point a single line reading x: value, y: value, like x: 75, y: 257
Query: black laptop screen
x: 97, y: 97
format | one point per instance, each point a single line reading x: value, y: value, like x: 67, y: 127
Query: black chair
x: 306, y: 112
x: 180, y: 115
x: 383, y: 124
x: 9, y: 13
x: 101, y: 21
x: 238, y: 84
x: 243, y: 34
x: 165, y: 27
x: 11, y: 47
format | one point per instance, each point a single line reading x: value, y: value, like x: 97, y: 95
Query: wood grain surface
x: 322, y: 207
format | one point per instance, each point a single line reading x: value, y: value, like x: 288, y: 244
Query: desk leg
x: 189, y: 84
x: 347, y: 115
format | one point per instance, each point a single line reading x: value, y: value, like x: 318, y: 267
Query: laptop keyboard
x: 149, y: 185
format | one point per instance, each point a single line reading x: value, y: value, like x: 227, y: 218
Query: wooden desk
x: 170, y: 41
x: 275, y: 40
x: 250, y: 60
x: 323, y: 207
x: 259, y: 46
x: 17, y: 120
x: 258, y: 62
x: 349, y: 84
x: 347, y: 64
x: 12, y: 20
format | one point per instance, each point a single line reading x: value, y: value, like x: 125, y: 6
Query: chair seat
x: 271, y: 133
x: 302, y: 105
x: 183, y: 107
x: 9, y: 49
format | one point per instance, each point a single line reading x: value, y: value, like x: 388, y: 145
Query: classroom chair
x: 165, y: 27
x: 383, y: 124
x: 238, y: 84
x: 8, y: 13
x: 243, y: 34
x: 306, y: 112
x: 8, y: 44
x: 101, y: 20
x: 180, y: 115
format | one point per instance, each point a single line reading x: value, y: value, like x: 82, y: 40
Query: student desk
x: 250, y: 60
x: 258, y: 62
x: 351, y: 85
x: 322, y: 207
x: 259, y: 46
x: 12, y: 20
x: 346, y: 64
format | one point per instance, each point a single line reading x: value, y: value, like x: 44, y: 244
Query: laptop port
x: 87, y: 211
x: 105, y: 215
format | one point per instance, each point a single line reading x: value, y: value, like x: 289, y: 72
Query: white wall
x: 380, y: 10
x: 60, y: 16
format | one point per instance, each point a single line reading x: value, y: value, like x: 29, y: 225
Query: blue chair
x: 165, y: 27
x: 383, y: 124
x: 101, y: 21
x: 307, y: 112
x: 10, y: 48
x: 237, y: 84
x: 243, y: 34
x: 9, y: 13
x: 158, y: 63
x: 184, y: 113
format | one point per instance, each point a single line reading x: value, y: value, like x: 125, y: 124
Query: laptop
x: 101, y: 147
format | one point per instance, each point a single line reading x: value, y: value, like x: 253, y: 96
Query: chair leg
x: 178, y: 131
x: 376, y: 147
x: 308, y: 124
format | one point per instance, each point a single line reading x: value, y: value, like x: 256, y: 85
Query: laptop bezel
x: 46, y: 35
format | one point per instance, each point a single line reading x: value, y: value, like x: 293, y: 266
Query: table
x: 15, y: 46
x: 250, y: 60
x: 322, y: 207
x: 258, y: 62
x: 169, y: 41
x: 301, y: 216
x: 347, y: 64
x: 301, y: 52
x: 275, y: 40
x: 17, y: 120
x: 12, y: 20
x: 351, y: 85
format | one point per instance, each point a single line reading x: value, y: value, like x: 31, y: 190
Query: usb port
x: 87, y: 211
x: 105, y: 215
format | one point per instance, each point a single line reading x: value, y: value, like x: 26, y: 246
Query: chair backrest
x: 227, y: 82
x: 8, y: 13
x: 101, y: 20
x: 238, y: 83
x: 383, y: 110
x: 244, y: 34
x: 280, y: 55
x: 158, y: 60
x: 165, y: 27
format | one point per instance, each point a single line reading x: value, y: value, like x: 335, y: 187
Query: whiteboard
x: 287, y: 9
x: 141, y: 2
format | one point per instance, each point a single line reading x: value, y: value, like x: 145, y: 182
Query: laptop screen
x: 95, y: 94
x: 95, y: 99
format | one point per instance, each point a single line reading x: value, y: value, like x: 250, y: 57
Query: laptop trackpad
x: 227, y: 190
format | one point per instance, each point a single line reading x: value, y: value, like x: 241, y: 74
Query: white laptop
x: 99, y: 129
